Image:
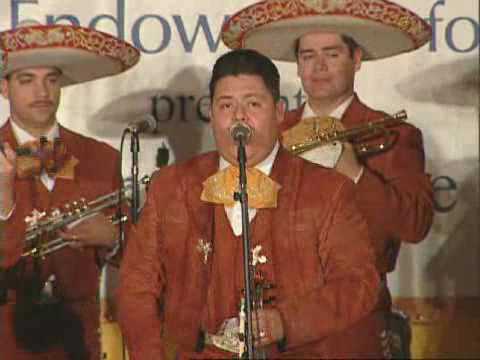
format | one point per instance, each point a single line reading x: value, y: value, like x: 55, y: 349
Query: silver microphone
x: 146, y: 124
x: 241, y: 131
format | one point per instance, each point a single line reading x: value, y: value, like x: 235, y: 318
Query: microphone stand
x: 242, y: 196
x: 135, y: 149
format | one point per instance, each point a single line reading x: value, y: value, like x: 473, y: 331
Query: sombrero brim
x: 82, y: 54
x: 380, y: 27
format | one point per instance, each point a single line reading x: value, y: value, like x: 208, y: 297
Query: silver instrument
x: 40, y: 239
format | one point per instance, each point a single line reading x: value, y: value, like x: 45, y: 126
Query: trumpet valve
x: 34, y: 218
x: 68, y: 210
x: 56, y: 213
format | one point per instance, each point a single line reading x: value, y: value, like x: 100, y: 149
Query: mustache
x: 42, y: 103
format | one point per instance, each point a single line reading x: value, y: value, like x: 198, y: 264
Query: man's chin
x: 319, y: 93
x: 256, y: 157
x: 43, y: 122
x: 230, y: 156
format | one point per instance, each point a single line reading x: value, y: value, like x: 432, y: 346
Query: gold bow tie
x: 42, y: 155
x: 309, y: 129
x: 220, y: 187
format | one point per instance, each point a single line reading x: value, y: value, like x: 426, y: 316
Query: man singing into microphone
x: 182, y: 276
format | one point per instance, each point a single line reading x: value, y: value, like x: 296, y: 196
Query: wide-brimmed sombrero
x: 82, y: 54
x: 380, y: 27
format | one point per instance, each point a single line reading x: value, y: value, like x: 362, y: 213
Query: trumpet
x: 41, y: 227
x: 360, y: 136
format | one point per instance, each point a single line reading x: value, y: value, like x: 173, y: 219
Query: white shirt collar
x: 264, y: 166
x: 337, y: 113
x: 24, y: 136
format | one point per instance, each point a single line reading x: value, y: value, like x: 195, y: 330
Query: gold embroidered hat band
x: 382, y: 28
x: 82, y: 54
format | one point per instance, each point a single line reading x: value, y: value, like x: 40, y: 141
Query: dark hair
x: 246, y: 62
x: 349, y: 41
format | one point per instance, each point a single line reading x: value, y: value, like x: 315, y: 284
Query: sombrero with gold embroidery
x: 382, y: 28
x: 82, y: 54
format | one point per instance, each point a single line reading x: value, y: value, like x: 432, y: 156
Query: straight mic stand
x: 135, y: 149
x: 242, y: 196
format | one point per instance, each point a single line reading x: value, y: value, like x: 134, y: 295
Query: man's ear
x: 299, y: 69
x: 280, y: 109
x: 210, y: 114
x: 4, y: 88
x: 357, y: 58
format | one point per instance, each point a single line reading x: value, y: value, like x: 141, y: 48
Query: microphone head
x: 145, y: 124
x: 150, y: 124
x: 241, y: 131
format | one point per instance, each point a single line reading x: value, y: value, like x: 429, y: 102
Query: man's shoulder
x: 318, y: 188
x: 294, y: 113
x: 326, y: 177
x: 87, y: 144
x: 315, y: 178
x: 189, y: 172
x: 199, y: 165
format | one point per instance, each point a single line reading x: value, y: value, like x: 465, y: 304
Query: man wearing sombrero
x: 63, y: 166
x: 328, y: 39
